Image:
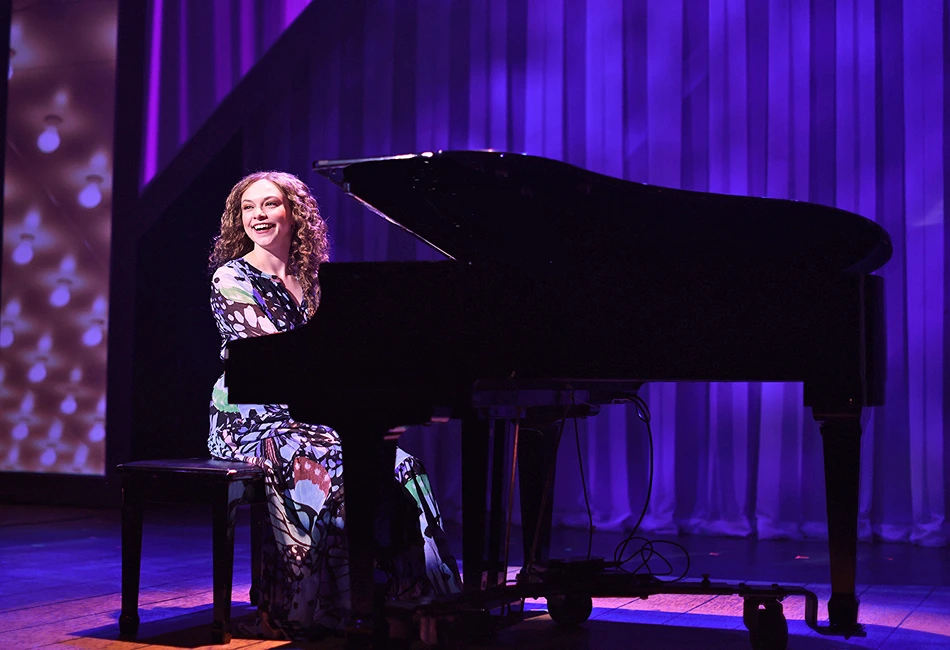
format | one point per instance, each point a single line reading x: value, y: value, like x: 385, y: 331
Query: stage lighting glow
x: 23, y: 253
x: 91, y: 194
x: 49, y: 139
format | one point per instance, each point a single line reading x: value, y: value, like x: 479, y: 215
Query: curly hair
x: 309, y: 244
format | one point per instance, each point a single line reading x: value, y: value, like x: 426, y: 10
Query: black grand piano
x: 560, y: 287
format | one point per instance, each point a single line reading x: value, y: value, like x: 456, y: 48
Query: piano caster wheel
x: 570, y: 610
x: 768, y: 629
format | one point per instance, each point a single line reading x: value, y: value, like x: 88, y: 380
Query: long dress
x: 304, y: 584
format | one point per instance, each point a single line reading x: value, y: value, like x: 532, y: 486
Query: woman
x: 265, y: 261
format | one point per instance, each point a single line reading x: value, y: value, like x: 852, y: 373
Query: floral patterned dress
x: 304, y: 583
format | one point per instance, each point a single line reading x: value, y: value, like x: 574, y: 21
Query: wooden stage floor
x: 61, y: 570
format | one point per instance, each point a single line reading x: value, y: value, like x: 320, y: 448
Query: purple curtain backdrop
x: 839, y: 103
x: 188, y: 77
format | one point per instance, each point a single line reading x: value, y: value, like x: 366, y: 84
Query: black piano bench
x: 224, y: 485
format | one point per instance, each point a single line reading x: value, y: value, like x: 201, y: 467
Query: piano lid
x: 502, y: 208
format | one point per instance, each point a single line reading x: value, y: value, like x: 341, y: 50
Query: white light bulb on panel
x: 26, y: 404
x: 48, y: 457
x: 10, y: 67
x: 37, y: 372
x: 49, y: 139
x: 93, y: 335
x: 91, y: 194
x: 81, y: 455
x: 61, y: 295
x: 31, y: 222
x: 6, y: 334
x: 23, y: 253
x: 98, y: 431
x: 20, y: 430
x: 13, y: 455
x: 55, y: 430
x: 68, y: 405
x: 96, y: 332
x: 99, y: 162
x: 67, y: 265
x: 101, y: 407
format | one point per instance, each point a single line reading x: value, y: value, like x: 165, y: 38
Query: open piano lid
x: 515, y: 209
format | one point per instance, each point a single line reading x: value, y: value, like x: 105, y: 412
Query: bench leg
x: 224, y: 507
x: 131, y: 561
x: 258, y: 521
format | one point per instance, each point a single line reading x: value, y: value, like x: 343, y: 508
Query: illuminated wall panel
x: 56, y: 235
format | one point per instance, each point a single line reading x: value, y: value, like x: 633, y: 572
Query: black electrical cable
x: 643, y: 413
x: 580, y: 464
x: 647, y: 550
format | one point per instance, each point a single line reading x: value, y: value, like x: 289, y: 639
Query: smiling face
x: 266, y: 218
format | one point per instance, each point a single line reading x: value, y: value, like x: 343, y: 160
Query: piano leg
x: 496, y: 573
x: 368, y: 462
x: 475, y: 439
x: 536, y: 455
x: 841, y: 439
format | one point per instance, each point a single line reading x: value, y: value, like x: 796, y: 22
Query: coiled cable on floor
x: 647, y: 550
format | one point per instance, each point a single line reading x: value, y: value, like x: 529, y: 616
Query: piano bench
x: 224, y: 485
